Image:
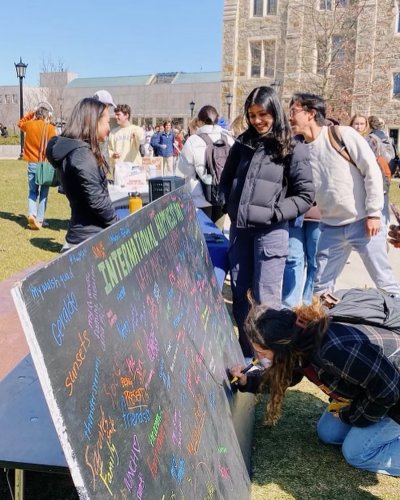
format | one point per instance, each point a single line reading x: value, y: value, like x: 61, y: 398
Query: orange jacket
x: 33, y: 134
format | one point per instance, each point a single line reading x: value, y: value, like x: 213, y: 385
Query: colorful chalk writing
x: 133, y: 333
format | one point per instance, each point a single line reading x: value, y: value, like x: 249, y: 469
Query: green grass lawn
x: 288, y: 460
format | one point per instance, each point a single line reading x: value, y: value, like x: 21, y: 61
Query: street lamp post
x: 20, y: 68
x: 191, y: 104
x: 228, y: 100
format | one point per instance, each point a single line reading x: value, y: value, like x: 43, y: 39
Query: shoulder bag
x: 46, y: 174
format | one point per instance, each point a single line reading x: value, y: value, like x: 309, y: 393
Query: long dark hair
x: 280, y: 133
x: 292, y: 341
x: 83, y: 123
x: 208, y: 115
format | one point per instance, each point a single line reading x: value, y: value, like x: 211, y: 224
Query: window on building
x: 256, y: 51
x: 337, y: 51
x: 263, y: 57
x: 9, y: 98
x: 322, y: 55
x: 397, y: 25
x: 258, y: 8
x: 325, y: 5
x: 269, y: 58
x: 396, y: 85
x: 272, y: 7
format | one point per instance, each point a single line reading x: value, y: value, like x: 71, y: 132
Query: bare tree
x: 330, y: 57
x: 52, y: 83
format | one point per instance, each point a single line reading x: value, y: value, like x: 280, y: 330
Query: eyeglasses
x: 294, y: 111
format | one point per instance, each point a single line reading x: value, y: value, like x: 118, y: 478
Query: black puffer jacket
x: 85, y: 185
x: 258, y: 190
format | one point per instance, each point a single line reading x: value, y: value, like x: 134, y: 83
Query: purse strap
x: 43, y: 142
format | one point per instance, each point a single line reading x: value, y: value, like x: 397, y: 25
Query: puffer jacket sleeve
x: 93, y: 184
x: 300, y: 192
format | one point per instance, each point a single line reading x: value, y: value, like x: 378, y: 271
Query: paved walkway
x: 354, y: 274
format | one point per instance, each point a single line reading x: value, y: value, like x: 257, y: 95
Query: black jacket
x: 257, y: 190
x: 85, y: 185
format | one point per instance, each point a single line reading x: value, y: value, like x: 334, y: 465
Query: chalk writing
x: 69, y: 308
x: 38, y: 291
x: 123, y: 259
x: 89, y: 420
x: 80, y: 356
x: 133, y: 335
x: 129, y: 479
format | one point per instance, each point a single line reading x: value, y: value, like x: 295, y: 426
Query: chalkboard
x: 131, y: 340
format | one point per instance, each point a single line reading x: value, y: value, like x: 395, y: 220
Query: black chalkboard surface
x: 131, y: 339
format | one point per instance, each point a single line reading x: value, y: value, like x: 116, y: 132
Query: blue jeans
x: 375, y: 448
x: 256, y: 261
x: 334, y: 247
x: 36, y: 192
x: 302, y: 253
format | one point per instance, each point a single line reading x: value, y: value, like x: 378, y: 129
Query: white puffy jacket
x: 192, y: 160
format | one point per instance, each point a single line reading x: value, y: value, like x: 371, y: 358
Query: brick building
x: 346, y: 50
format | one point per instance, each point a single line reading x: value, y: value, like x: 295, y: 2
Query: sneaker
x: 33, y: 223
x: 44, y: 224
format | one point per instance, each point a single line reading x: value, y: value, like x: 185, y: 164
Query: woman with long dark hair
x: 357, y: 366
x: 266, y: 181
x: 77, y: 154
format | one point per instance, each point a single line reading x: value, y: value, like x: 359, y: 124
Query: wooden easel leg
x: 19, y: 484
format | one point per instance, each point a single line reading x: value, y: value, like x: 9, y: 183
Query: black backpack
x: 364, y: 306
x: 215, y: 157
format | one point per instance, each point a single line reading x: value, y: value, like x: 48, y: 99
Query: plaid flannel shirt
x: 361, y: 363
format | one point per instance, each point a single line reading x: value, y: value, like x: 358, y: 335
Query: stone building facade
x: 346, y: 50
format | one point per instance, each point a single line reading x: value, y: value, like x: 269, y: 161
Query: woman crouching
x: 358, y: 366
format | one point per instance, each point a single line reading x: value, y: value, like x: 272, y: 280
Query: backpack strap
x: 206, y: 138
x: 335, y: 138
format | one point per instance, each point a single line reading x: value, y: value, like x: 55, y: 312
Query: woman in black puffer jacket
x: 77, y: 154
x: 266, y: 182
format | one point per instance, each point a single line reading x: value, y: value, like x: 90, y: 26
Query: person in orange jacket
x: 38, y: 130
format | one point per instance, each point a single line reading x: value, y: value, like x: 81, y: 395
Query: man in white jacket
x: 349, y: 197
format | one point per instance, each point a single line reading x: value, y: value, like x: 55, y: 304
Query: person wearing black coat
x: 266, y: 182
x: 76, y: 153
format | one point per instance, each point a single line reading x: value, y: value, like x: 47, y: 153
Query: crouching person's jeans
x: 375, y: 448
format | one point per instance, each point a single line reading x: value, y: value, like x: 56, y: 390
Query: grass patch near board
x: 21, y: 247
x: 288, y: 460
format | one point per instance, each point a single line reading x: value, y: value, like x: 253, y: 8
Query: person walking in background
x: 357, y: 366
x: 266, y: 182
x: 192, y: 161
x: 377, y: 126
x: 77, y: 155
x: 349, y: 197
x: 38, y: 130
x: 164, y: 143
x: 361, y: 124
x: 178, y: 145
x: 125, y: 140
x: 155, y: 138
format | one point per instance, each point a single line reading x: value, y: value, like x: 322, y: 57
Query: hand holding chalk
x: 245, y: 370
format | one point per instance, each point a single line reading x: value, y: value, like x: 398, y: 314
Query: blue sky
x: 110, y: 38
